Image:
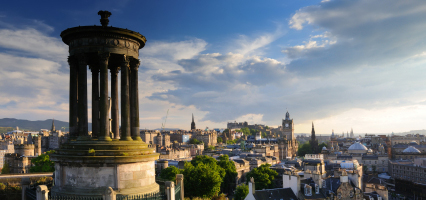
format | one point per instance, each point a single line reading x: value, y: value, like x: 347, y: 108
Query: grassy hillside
x: 5, y: 129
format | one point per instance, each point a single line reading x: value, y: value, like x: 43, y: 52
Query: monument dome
x: 357, y: 148
x: 324, y: 148
x: 411, y: 149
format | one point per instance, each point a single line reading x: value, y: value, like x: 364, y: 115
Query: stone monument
x: 90, y: 165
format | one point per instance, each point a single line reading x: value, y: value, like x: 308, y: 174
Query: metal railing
x: 74, y: 198
x: 149, y: 196
x: 31, y: 194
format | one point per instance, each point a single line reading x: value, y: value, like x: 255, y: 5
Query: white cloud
x: 33, y: 42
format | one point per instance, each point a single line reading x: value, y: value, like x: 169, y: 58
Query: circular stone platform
x: 89, y: 167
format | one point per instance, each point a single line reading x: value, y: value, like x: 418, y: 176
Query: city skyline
x: 340, y: 64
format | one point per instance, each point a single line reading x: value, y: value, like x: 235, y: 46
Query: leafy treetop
x: 42, y: 163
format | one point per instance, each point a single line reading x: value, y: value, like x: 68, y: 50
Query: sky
x: 340, y: 64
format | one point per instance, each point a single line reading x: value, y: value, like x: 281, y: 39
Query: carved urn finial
x: 104, y: 17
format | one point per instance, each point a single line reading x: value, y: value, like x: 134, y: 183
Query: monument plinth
x: 87, y: 165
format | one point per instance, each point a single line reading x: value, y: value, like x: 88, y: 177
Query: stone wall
x: 117, y: 176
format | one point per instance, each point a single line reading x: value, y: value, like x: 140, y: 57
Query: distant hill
x: 167, y: 129
x: 34, y: 125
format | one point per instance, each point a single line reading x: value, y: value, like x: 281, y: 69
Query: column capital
x: 94, y: 68
x: 134, y: 63
x: 125, y: 60
x: 103, y: 57
x: 72, y: 61
x: 81, y: 59
x: 114, y: 70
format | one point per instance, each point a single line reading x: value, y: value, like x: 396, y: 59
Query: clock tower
x: 288, y: 127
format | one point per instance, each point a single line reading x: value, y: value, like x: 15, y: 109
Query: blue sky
x: 341, y: 64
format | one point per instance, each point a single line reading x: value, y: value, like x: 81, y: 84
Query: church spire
x: 314, y: 141
x: 53, y: 125
x: 193, y: 123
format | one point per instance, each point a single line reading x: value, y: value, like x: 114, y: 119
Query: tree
x: 230, y: 174
x: 219, y: 140
x: 43, y: 163
x: 201, y: 180
x: 231, y: 141
x: 304, y: 149
x: 5, y: 169
x: 211, y: 147
x: 169, y: 173
x: 253, y: 132
x: 210, y: 162
x: 246, y: 131
x: 267, y: 127
x: 364, y: 168
x: 263, y: 134
x: 241, y: 192
x: 263, y: 176
x: 322, y: 145
x: 195, y: 141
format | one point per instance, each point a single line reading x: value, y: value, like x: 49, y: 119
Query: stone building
x: 194, y: 149
x: 175, y: 153
x: 209, y: 138
x: 148, y: 136
x: 2, y: 154
x: 180, y: 137
x: 266, y: 150
x: 242, y: 167
x: 287, y: 143
x: 377, y: 185
x: 411, y: 151
x: 20, y: 161
x: 315, y: 186
x: 410, y: 177
x: 407, y: 139
x: 407, y: 170
x: 18, y: 164
x: 374, y: 161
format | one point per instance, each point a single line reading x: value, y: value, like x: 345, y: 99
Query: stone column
x: 95, y: 101
x: 73, y: 104
x: 134, y: 101
x: 125, y: 102
x: 42, y: 192
x: 170, y: 190
x: 82, y: 98
x: 114, y: 102
x: 103, y: 102
x: 25, y: 183
x: 109, y: 194
x: 179, y: 181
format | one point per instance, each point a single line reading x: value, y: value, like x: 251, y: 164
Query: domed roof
x: 370, y: 151
x: 413, y: 143
x: 324, y: 148
x: 411, y: 149
x: 357, y: 146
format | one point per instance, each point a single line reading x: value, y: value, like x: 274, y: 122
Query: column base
x: 137, y: 138
x: 128, y: 138
x: 104, y: 138
x: 82, y: 138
